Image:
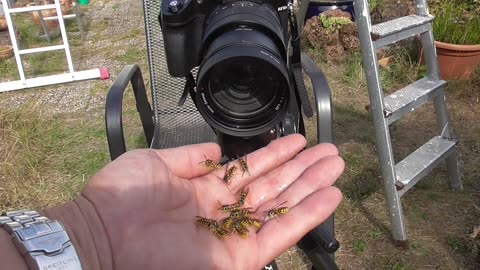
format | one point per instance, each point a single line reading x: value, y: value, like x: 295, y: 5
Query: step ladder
x: 399, y: 178
x: 70, y: 76
x: 75, y: 15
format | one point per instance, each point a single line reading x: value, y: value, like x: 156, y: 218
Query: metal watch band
x: 43, y: 242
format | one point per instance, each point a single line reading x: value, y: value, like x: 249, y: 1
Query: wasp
x: 244, y: 165
x: 246, y: 222
x: 243, y: 196
x: 211, y: 164
x: 227, y: 222
x: 277, y: 211
x: 221, y: 233
x: 205, y: 222
x: 229, y: 173
x: 238, y: 228
x: 212, y: 226
x: 241, y: 213
x: 230, y: 207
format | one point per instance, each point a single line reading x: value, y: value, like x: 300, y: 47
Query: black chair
x: 168, y: 125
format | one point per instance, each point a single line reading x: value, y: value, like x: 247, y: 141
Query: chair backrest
x: 175, y: 125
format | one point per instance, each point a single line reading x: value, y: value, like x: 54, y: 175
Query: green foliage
x: 375, y: 4
x: 333, y: 24
x: 359, y: 245
x: 457, y: 22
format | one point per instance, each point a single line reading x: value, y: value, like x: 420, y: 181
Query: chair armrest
x: 114, y: 106
x: 320, y: 243
x: 323, y: 100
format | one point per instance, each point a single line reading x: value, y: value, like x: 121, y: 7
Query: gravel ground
x: 103, y: 21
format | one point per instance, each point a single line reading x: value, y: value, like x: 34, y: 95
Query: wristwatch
x: 43, y: 242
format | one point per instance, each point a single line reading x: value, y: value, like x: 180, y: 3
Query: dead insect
x: 227, y: 222
x: 244, y: 165
x: 277, y: 211
x: 229, y: 173
x: 246, y: 222
x: 221, y: 233
x: 243, y: 196
x: 230, y: 207
x: 212, y: 226
x: 257, y: 223
x: 244, y: 212
x: 238, y: 228
x: 211, y: 164
x: 205, y: 222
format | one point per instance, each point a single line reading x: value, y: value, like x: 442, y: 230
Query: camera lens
x: 243, y: 86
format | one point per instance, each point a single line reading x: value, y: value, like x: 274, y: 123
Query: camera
x: 244, y: 84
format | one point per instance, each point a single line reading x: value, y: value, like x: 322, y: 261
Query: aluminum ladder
x: 70, y: 76
x: 75, y: 15
x: 399, y: 178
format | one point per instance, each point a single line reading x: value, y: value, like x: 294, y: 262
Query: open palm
x: 149, y: 203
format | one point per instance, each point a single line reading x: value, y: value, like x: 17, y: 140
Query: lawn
x: 46, y: 158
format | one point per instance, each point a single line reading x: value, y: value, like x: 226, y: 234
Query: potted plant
x: 456, y: 29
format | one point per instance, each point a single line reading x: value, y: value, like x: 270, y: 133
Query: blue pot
x: 319, y: 6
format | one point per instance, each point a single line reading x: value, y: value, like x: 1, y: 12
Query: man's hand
x: 148, y: 200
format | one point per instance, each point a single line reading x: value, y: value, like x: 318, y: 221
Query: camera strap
x: 297, y: 68
x: 188, y: 89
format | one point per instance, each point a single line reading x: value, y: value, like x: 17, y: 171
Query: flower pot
x: 66, y: 6
x: 457, y: 61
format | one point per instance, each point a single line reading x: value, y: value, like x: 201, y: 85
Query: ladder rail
x: 42, y: 22
x: 382, y: 133
x: 61, y: 23
x: 13, y: 38
x: 70, y: 76
x: 399, y: 178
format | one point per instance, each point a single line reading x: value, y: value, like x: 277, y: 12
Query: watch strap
x: 43, y: 242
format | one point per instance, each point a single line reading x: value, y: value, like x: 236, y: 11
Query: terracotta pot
x: 45, y: 13
x: 66, y: 6
x: 3, y: 23
x: 457, y: 61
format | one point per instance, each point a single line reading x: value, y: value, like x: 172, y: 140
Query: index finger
x: 184, y: 161
x: 264, y: 160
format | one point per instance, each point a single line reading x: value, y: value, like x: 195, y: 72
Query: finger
x: 277, y: 235
x: 272, y: 184
x: 320, y: 175
x: 185, y: 161
x: 265, y: 159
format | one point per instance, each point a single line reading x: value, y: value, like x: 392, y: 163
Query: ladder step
x: 32, y: 8
x: 42, y: 49
x: 419, y: 163
x: 398, y: 29
x: 53, y: 18
x: 411, y: 97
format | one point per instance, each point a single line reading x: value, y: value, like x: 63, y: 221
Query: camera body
x: 189, y: 26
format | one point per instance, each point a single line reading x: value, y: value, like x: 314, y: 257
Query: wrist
x: 86, y: 232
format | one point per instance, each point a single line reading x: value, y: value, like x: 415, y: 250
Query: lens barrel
x: 243, y: 85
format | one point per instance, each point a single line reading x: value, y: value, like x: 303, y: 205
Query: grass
x: 456, y: 22
x: 47, y: 158
x: 435, y: 227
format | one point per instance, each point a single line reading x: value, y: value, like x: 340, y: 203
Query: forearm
x: 86, y: 232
